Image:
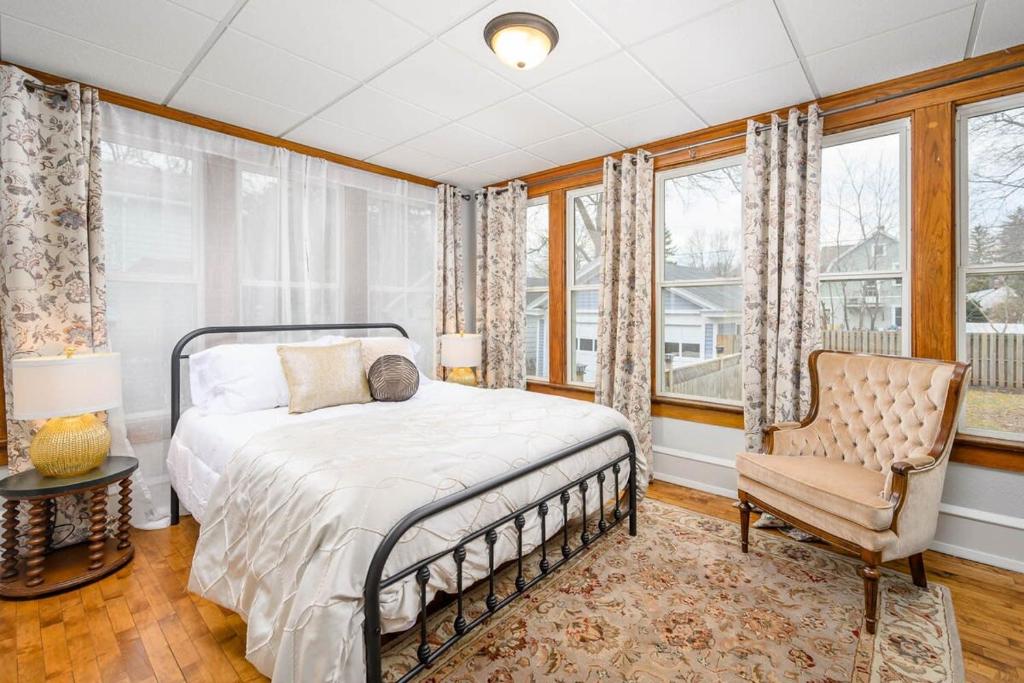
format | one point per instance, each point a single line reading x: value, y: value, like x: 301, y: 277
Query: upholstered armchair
x: 865, y: 469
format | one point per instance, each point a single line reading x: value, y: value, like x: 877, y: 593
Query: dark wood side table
x: 44, y: 571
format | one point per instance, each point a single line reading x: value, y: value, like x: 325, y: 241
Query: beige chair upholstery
x: 865, y: 469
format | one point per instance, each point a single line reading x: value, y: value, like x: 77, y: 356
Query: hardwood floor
x: 141, y: 624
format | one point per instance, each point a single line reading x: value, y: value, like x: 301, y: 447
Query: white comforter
x: 299, y: 511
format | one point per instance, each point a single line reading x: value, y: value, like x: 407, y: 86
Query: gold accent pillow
x: 322, y: 376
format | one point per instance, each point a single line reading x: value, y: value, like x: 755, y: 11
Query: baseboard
x: 1011, y: 525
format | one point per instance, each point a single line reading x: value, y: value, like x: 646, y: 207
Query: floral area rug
x: 680, y: 602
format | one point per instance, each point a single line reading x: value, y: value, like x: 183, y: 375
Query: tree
x: 1009, y: 243
x: 982, y: 243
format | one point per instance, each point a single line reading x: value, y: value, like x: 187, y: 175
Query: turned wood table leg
x: 98, y: 529
x: 10, y: 555
x: 125, y: 518
x: 51, y: 521
x: 38, y: 520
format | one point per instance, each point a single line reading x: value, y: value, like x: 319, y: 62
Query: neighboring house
x: 872, y: 304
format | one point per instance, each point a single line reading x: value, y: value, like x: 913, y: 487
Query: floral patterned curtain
x: 501, y: 284
x: 449, y: 296
x: 781, y: 210
x: 53, y: 293
x: 624, y: 309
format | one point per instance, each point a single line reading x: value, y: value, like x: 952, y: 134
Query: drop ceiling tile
x: 736, y: 41
x: 926, y: 44
x: 580, y: 40
x: 1002, y: 26
x: 459, y: 144
x: 323, y: 134
x: 444, y: 81
x: 215, y: 9
x: 256, y: 68
x: 631, y: 22
x: 217, y: 102
x: 781, y: 86
x: 604, y: 90
x: 382, y: 115
x: 469, y: 178
x: 154, y: 30
x: 46, y: 50
x: 521, y: 120
x: 355, y: 37
x: 661, y: 121
x: 411, y: 160
x: 433, y: 16
x: 820, y: 26
x: 512, y: 165
x: 577, y: 146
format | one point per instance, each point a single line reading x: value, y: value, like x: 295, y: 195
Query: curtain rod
x: 52, y: 89
x: 856, y: 106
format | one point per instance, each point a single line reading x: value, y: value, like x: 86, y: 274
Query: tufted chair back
x: 873, y: 410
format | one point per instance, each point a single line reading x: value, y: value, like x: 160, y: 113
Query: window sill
x: 1002, y: 454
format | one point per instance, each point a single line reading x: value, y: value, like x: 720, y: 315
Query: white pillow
x: 375, y: 347
x: 239, y: 378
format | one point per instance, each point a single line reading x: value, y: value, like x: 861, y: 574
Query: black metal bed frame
x: 375, y: 581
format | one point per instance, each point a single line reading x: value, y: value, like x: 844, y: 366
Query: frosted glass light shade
x: 520, y: 39
x: 59, y: 386
x: 460, y: 350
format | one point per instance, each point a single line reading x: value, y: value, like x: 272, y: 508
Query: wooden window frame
x: 931, y: 310
x: 543, y: 200
x: 570, y: 276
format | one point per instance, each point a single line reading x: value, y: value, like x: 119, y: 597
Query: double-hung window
x: 865, y: 239
x: 537, y: 293
x: 699, y: 281
x: 991, y: 265
x: 583, y: 220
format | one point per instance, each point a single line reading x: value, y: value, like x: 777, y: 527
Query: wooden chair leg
x: 744, y: 523
x: 870, y: 574
x: 917, y: 570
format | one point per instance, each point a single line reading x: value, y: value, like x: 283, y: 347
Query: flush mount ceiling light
x: 521, y: 39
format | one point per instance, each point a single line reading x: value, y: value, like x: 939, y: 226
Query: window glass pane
x: 537, y: 334
x: 537, y: 245
x: 860, y: 206
x: 587, y: 220
x: 583, y: 333
x: 703, y: 238
x: 702, y: 344
x: 261, y: 224
x: 862, y: 315
x: 995, y: 177
x: 994, y: 342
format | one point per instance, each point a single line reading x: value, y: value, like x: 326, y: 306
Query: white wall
x: 982, y: 512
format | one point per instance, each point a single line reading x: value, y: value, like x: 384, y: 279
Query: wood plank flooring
x: 142, y: 624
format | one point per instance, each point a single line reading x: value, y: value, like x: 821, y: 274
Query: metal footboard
x: 177, y: 356
x: 589, y: 533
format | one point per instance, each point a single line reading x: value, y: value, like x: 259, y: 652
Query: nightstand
x: 43, y: 570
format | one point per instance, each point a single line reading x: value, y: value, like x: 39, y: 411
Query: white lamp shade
x: 460, y: 350
x: 58, y: 386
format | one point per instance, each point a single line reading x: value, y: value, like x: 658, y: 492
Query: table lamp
x: 69, y: 390
x: 461, y: 353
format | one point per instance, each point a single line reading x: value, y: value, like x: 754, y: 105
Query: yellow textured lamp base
x: 465, y: 376
x: 69, y: 446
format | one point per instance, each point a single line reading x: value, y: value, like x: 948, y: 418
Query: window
x: 864, y: 240
x: 991, y: 265
x: 699, y: 287
x: 584, y: 216
x: 537, y: 294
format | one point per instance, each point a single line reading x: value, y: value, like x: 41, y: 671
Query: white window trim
x: 963, y: 266
x: 901, y: 126
x: 538, y: 201
x: 659, y: 270
x: 570, y: 280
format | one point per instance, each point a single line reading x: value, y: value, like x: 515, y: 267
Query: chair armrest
x: 898, y: 480
x: 771, y: 430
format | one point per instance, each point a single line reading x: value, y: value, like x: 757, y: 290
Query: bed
x: 326, y: 530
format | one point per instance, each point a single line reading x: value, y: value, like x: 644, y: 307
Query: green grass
x: 995, y: 409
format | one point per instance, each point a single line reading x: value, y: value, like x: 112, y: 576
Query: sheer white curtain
x: 208, y: 229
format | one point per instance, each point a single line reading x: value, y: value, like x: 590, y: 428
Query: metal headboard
x: 177, y: 356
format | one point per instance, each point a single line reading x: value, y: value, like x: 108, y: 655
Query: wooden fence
x: 997, y: 358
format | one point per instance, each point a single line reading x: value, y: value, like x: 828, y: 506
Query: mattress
x: 203, y: 443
